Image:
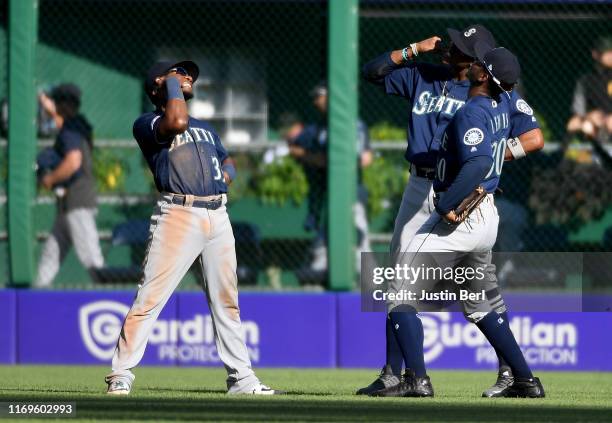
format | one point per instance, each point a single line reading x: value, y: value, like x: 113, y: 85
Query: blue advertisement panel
x: 82, y: 327
x: 550, y: 341
x: 290, y: 330
x: 8, y: 327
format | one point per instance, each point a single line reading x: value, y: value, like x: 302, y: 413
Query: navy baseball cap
x: 161, y: 68
x: 500, y: 62
x: 66, y: 93
x: 466, y: 40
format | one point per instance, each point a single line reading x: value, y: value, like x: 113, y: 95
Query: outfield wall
x: 282, y: 330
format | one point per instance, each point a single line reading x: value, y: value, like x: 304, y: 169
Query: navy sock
x: 503, y: 364
x: 497, y: 330
x: 394, y: 352
x: 408, y: 331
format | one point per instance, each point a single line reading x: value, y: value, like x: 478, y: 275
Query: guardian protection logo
x: 542, y: 343
x: 187, y: 341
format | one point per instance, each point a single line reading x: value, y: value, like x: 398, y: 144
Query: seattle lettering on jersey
x: 428, y: 103
x: 192, y: 135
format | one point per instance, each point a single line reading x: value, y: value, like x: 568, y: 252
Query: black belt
x: 423, y: 172
x: 202, y: 204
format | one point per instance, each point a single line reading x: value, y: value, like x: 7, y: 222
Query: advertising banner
x: 82, y: 327
x: 550, y: 341
x: 291, y: 330
x: 7, y: 326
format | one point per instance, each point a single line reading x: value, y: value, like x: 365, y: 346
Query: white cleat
x: 119, y: 387
x: 262, y: 389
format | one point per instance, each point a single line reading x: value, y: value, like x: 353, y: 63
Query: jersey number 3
x: 218, y: 174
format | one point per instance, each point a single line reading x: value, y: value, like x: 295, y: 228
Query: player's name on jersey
x: 192, y: 135
x: 428, y: 103
x: 427, y: 295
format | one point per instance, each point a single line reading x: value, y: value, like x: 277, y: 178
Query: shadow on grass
x: 291, y: 408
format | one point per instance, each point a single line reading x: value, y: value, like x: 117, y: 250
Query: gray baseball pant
x: 416, y: 208
x: 179, y: 235
x: 75, y: 227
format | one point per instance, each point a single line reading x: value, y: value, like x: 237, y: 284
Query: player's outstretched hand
x: 431, y: 44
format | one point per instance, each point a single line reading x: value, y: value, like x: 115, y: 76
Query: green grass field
x: 197, y: 394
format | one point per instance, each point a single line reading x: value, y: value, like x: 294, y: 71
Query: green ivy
x: 281, y: 181
x: 385, y: 131
x: 110, y: 170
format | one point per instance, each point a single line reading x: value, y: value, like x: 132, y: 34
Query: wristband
x: 405, y: 54
x: 516, y: 148
x: 173, y: 88
x: 230, y: 170
x: 415, y: 51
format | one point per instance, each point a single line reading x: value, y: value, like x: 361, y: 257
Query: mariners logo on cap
x: 522, y: 106
x: 470, y: 32
x: 473, y: 136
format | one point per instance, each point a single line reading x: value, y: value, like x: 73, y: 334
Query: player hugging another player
x: 192, y: 171
x: 436, y: 93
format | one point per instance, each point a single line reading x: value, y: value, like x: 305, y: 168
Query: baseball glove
x: 470, y: 203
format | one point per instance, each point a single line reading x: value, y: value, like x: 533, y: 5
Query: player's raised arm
x: 175, y: 119
x: 376, y: 70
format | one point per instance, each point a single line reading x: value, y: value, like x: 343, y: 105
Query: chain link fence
x: 263, y: 66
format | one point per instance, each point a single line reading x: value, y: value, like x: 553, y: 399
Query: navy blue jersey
x: 522, y: 118
x: 480, y: 128
x: 435, y: 98
x: 188, y: 163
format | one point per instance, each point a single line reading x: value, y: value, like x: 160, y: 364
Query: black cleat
x: 525, y: 388
x: 385, y: 380
x: 502, y: 384
x: 398, y: 390
x: 420, y: 387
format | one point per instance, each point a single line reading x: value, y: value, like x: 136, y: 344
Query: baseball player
x: 468, y: 167
x: 436, y: 92
x: 192, y: 170
x: 72, y: 179
x: 310, y: 149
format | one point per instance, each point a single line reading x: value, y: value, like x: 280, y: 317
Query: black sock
x: 497, y: 330
x: 408, y: 331
x: 394, y: 353
x: 503, y: 365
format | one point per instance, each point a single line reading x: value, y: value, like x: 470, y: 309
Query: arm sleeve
x: 522, y: 118
x: 473, y: 136
x: 145, y: 130
x: 397, y: 79
x: 467, y: 180
x: 376, y: 70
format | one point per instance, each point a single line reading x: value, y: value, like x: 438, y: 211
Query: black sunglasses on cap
x: 179, y: 70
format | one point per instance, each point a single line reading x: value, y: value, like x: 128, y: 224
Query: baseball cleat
x: 386, y: 379
x: 420, y: 387
x: 525, y: 388
x: 262, y: 389
x: 503, y: 382
x: 398, y: 390
x: 119, y: 386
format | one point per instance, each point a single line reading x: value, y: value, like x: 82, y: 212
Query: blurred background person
x: 71, y: 179
x: 309, y: 147
x: 592, y: 103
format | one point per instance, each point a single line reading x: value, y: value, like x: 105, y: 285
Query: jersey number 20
x: 499, y: 150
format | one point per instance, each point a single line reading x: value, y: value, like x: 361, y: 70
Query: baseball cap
x: 501, y: 64
x: 160, y: 68
x: 466, y: 40
x: 319, y: 89
x: 66, y: 93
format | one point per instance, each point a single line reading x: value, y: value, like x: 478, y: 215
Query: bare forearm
x: 531, y: 141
